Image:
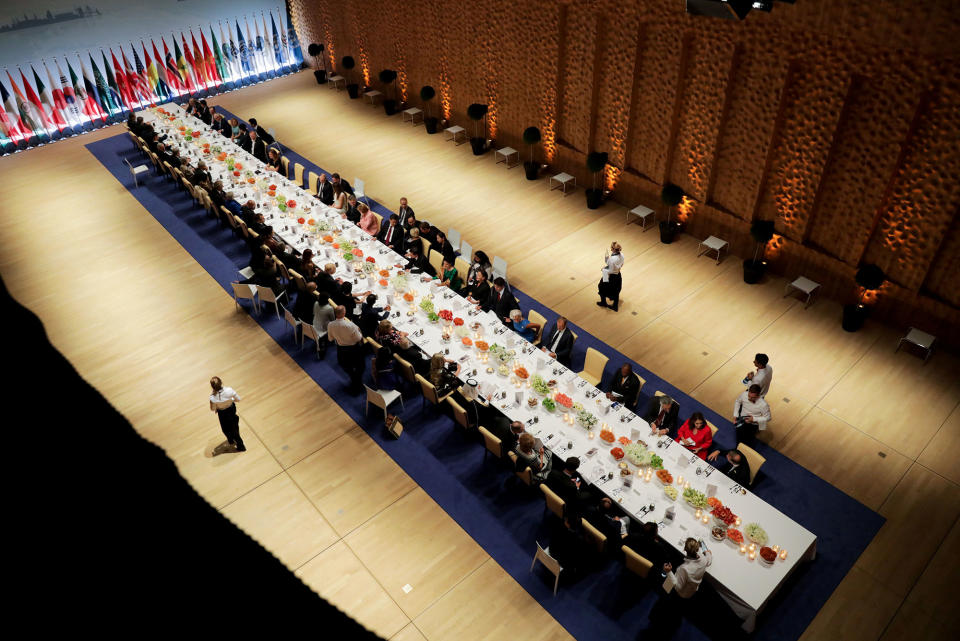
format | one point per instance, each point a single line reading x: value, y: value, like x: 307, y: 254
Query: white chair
x: 550, y: 563
x: 246, y: 272
x: 293, y: 322
x: 919, y: 339
x: 381, y: 398
x: 805, y: 286
x: 466, y: 251
x: 499, y: 267
x: 643, y: 213
x: 136, y: 171
x: 242, y: 290
x: 712, y: 243
x: 358, y: 190
x: 266, y: 295
x: 309, y: 331
x: 454, y: 237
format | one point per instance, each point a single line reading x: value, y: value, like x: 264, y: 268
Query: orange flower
x: 238, y: 166
x: 272, y: 193
x: 301, y: 220
x: 251, y: 180
x: 336, y: 245
x: 311, y: 222
x: 328, y: 239
x: 383, y: 282
x: 408, y: 297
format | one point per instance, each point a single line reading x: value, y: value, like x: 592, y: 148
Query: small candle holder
x: 737, y: 521
x: 686, y: 485
x: 783, y: 555
x: 680, y: 480
x: 775, y: 548
x: 753, y: 555
x: 743, y: 549
x: 590, y: 435
x: 753, y: 547
x: 706, y: 519
x: 699, y: 513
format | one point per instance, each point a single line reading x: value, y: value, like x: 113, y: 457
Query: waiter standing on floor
x: 349, y: 340
x: 611, y: 281
x: 223, y: 401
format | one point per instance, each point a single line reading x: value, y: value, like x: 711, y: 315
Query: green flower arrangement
x: 369, y: 268
x: 577, y: 407
x: 586, y: 419
x: 549, y: 404
x: 426, y: 305
x: 539, y: 385
x: 282, y: 206
x: 323, y: 225
x: 433, y: 317
x: 656, y: 462
x: 400, y: 282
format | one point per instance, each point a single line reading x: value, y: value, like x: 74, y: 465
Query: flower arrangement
x: 371, y: 259
x: 735, y: 535
x: 347, y: 256
x: 458, y: 321
x: 638, y: 454
x: 563, y: 400
x: 431, y: 316
x: 576, y: 407
x: 482, y: 346
x: 369, y: 268
x: 671, y: 492
x: 384, y: 273
x: 756, y: 533
x: 462, y: 331
x: 616, y: 453
x: 623, y: 440
x: 399, y: 282
x: 586, y: 419
x: 323, y: 225
x: 427, y: 305
x: 292, y: 204
x: 357, y: 252
x: 608, y: 436
x: 548, y: 404
x: 539, y: 385
x: 408, y: 297
x: 466, y: 341
x: 446, y: 314
x: 724, y: 514
x: 665, y: 477
x: 312, y: 222
x: 301, y: 220
x: 695, y: 498
x: 522, y: 373
x: 328, y: 239
x: 656, y: 462
x: 382, y: 282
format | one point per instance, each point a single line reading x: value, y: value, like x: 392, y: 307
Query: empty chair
x: 550, y: 563
x: 463, y: 268
x: 459, y: 414
x: 298, y: 173
x: 636, y: 563
x: 382, y: 399
x: 553, y: 501
x: 358, y: 190
x: 754, y: 460
x: 266, y: 295
x: 492, y: 444
x: 525, y: 475
x: 499, y: 267
x: 454, y: 237
x: 596, y: 538
x: 466, y: 251
x: 309, y: 331
x: 535, y: 317
x: 241, y: 291
x: 292, y: 321
x: 593, y: 366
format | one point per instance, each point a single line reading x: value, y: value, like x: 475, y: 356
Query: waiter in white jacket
x: 750, y: 414
x: 610, y: 281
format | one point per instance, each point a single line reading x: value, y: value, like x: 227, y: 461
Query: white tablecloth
x: 746, y: 585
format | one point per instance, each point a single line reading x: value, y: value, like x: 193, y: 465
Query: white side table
x: 920, y: 339
x: 805, y: 285
x: 336, y: 82
x: 562, y: 180
x: 642, y: 213
x: 712, y: 244
x: 505, y: 155
x: 413, y: 114
x: 457, y: 134
x: 372, y: 96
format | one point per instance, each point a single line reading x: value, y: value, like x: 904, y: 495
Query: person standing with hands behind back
x: 611, y: 281
x: 223, y: 401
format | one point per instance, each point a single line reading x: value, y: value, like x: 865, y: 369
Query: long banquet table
x: 747, y: 585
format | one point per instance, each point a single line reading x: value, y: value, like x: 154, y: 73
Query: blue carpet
x: 608, y: 604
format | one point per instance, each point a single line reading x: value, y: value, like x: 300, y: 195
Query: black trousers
x: 611, y: 289
x: 230, y: 424
x: 350, y: 358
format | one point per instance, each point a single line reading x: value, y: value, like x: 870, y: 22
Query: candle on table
x: 753, y: 546
x: 776, y: 548
x: 706, y: 519
x: 783, y: 554
x: 743, y: 549
x: 737, y: 521
x: 699, y: 513
x: 753, y: 555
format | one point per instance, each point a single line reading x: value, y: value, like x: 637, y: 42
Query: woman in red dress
x: 695, y: 435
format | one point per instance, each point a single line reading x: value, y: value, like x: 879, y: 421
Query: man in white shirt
x: 750, y: 413
x: 689, y: 575
x: 349, y: 342
x: 762, y: 376
x: 611, y: 281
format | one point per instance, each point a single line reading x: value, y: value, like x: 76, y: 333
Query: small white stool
x: 804, y: 285
x: 412, y: 114
x: 712, y: 244
x: 454, y: 134
x: 562, y: 181
x: 642, y: 213
x: 372, y: 96
x: 504, y: 157
x: 921, y: 339
x: 336, y: 82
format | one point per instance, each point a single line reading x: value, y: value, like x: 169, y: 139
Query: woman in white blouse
x: 611, y: 282
x: 339, y: 200
x: 223, y: 401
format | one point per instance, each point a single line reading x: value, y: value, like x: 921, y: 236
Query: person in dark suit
x: 558, y: 342
x: 500, y: 301
x: 200, y: 176
x: 569, y: 486
x: 442, y: 245
x: 217, y: 196
x: 625, y: 386
x: 326, y: 282
x: 248, y: 213
x: 324, y: 190
x: 353, y: 213
x: 417, y: 262
x: 643, y: 539
x: 257, y: 147
x: 207, y: 116
x: 734, y: 464
x: 262, y: 133
x: 663, y: 415
x: 344, y: 185
x: 428, y: 232
x: 303, y: 305
x: 243, y: 140
x: 508, y: 432
x: 371, y: 315
x: 479, y: 291
x: 405, y: 212
x: 391, y: 234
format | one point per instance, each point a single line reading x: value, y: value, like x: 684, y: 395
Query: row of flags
x: 64, y: 99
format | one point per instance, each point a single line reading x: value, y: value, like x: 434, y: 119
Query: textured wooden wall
x: 838, y: 120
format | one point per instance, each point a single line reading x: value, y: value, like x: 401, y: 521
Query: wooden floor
x: 145, y: 324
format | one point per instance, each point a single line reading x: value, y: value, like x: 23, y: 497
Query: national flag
x: 210, y: 63
x: 95, y: 90
x: 252, y: 48
x: 196, y: 61
x: 296, y: 55
x: 218, y: 58
x: 58, y: 105
x: 123, y: 83
x: 182, y: 68
x: 235, y: 56
x: 71, y: 106
x: 174, y: 77
x: 14, y: 127
x: 160, y: 70
x: 46, y: 104
x: 137, y: 77
x: 277, y: 50
x: 244, y: 57
x: 117, y: 95
x: 151, y: 74
x: 267, y: 47
x: 29, y: 107
x: 86, y: 93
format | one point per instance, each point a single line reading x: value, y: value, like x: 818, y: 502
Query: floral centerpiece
x: 400, y: 282
x: 369, y: 268
x: 549, y: 404
x: 427, y: 305
x: 586, y: 419
x: 539, y: 385
x: 695, y: 498
x: 755, y: 533
x: 637, y: 454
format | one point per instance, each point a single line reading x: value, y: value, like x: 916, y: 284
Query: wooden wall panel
x: 838, y: 120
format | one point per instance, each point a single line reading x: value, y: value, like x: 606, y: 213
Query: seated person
x: 273, y: 160
x: 479, y: 291
x: 558, y: 342
x: 417, y: 263
x: 695, y: 435
x: 200, y: 176
x: 480, y: 264
x: 324, y: 190
x: 568, y: 543
x: 450, y: 278
x: 368, y: 221
x: 389, y: 336
x: 352, y: 212
x: 348, y: 299
x: 391, y: 234
x: 625, y: 386
x: 610, y: 519
x: 663, y: 414
x: 217, y: 196
x: 173, y: 158
x: 733, y: 464
x: 569, y: 486
x: 326, y: 281
x: 507, y: 431
x: 443, y: 246
x: 382, y: 367
x: 233, y: 206
x: 371, y: 315
x: 265, y: 274
x: 412, y: 237
x: 643, y: 539
x: 539, y: 460
x: 443, y: 374
x: 526, y: 329
x: 243, y: 140
x: 261, y: 132
x: 303, y: 305
x: 234, y: 130
x: 428, y: 232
